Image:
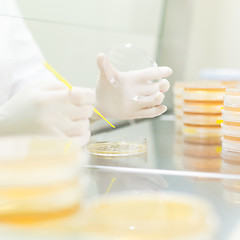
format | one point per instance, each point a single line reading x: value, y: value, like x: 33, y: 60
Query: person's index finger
x: 166, y: 71
x: 152, y: 73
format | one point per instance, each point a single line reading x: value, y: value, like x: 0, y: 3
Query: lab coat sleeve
x: 27, y: 59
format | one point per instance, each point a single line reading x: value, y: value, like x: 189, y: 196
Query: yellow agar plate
x: 116, y: 148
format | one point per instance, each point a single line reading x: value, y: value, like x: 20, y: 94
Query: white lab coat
x: 20, y: 57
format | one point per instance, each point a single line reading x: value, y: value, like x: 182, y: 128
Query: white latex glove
x: 48, y: 107
x: 115, y: 104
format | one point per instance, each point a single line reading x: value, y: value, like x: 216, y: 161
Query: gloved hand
x: 48, y: 107
x: 113, y: 103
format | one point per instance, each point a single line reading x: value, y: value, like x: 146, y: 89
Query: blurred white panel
x: 215, y: 36
x: 139, y: 16
x: 73, y: 51
x: 101, y: 25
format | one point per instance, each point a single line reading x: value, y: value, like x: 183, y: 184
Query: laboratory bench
x: 166, y: 168
x: 171, y: 164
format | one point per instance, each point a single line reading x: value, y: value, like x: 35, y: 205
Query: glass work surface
x: 167, y: 148
x: 221, y: 193
x: 208, y: 199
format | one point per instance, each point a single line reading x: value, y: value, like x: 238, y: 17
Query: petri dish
x: 202, y: 106
x: 116, y: 146
x: 228, y: 130
x: 230, y: 157
x: 39, y: 179
x: 201, y: 164
x: 204, y: 91
x: 152, y: 216
x: 231, y: 118
x: 178, y: 112
x: 232, y: 99
x: 124, y: 58
x: 230, y: 143
x: 201, y: 150
x: 201, y: 157
x: 202, y: 119
x: 202, y: 134
x: 178, y: 88
x: 133, y: 160
x: 178, y: 98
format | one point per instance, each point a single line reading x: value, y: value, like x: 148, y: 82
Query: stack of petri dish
x: 178, y: 103
x: 202, y: 104
x: 39, y: 179
x: 231, y: 142
x: 231, y: 120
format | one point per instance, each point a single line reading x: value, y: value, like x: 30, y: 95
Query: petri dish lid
x: 129, y: 57
x: 233, y: 91
x: 205, y: 86
x: 124, y: 58
x: 220, y: 74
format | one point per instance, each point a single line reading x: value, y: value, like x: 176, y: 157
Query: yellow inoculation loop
x: 62, y: 79
x: 57, y: 75
x: 96, y: 111
x: 113, y: 180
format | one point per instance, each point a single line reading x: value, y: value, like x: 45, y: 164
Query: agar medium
x: 116, y: 146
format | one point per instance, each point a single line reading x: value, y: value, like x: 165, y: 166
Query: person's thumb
x: 107, y: 71
x: 100, y: 61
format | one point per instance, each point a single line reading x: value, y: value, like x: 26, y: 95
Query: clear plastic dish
x: 128, y: 57
x: 230, y: 145
x: 178, y: 88
x: 230, y: 157
x: 201, y: 150
x: 231, y: 108
x: 230, y: 131
x: 201, y: 157
x: 201, y: 164
x: 202, y: 119
x: 152, y: 216
x: 116, y: 146
x: 201, y: 134
x: 178, y: 98
x: 211, y: 107
x: 230, y: 116
x: 136, y: 160
x: 232, y: 99
x: 38, y: 179
x: 228, y: 167
x: 178, y: 124
x: 178, y: 112
x: 178, y: 102
x: 204, y: 91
